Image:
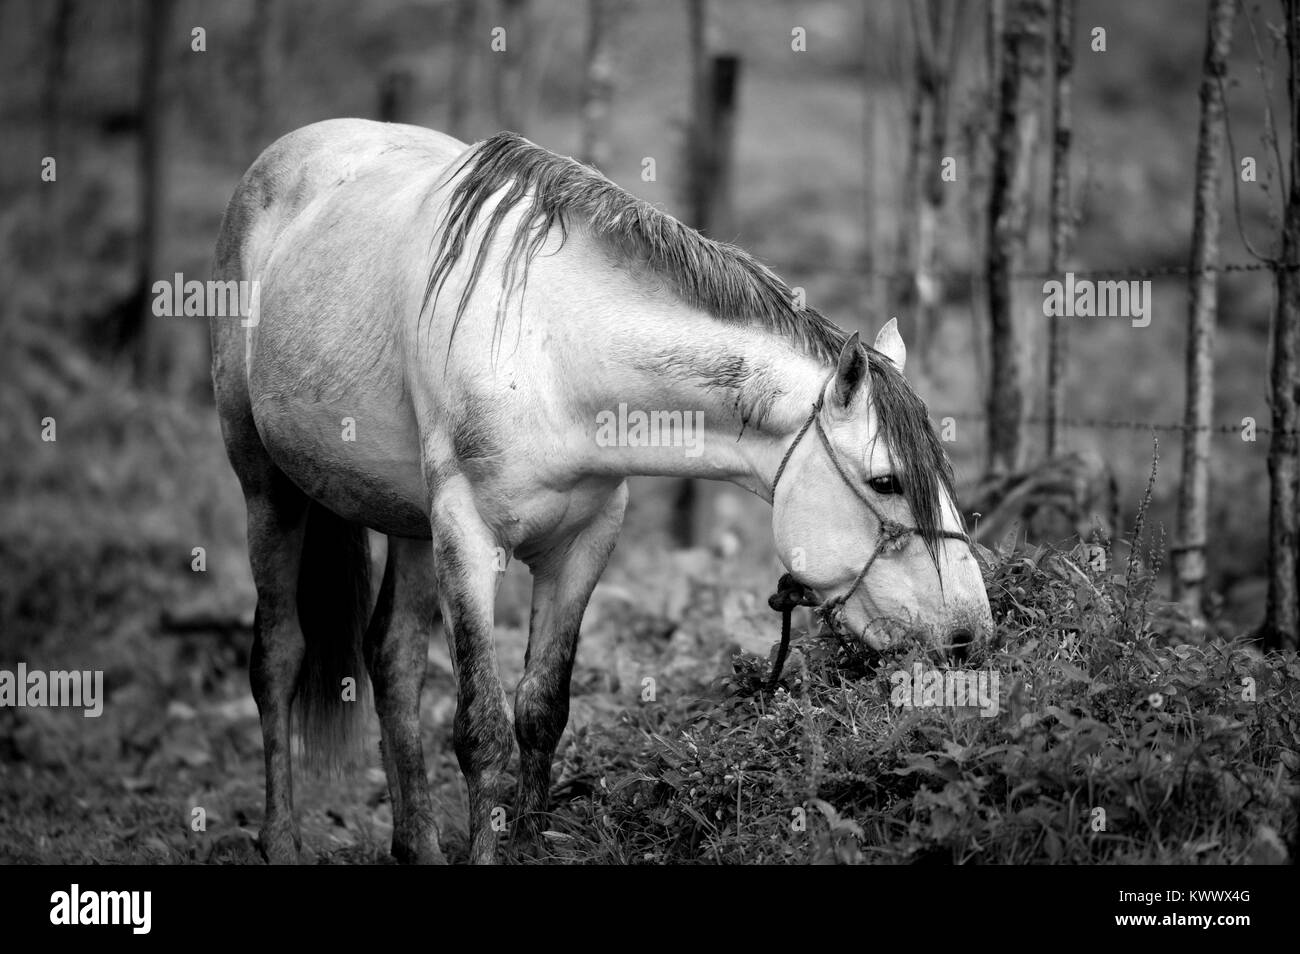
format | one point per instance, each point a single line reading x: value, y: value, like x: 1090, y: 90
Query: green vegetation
x: 1190, y: 750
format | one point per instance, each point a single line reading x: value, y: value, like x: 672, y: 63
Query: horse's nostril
x: 959, y: 643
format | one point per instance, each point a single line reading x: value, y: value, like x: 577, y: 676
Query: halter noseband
x: 790, y: 592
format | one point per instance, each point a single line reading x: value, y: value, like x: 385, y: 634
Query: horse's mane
x: 721, y: 279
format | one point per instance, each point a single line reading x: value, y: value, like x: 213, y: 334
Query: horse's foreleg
x: 466, y: 566
x: 396, y: 651
x: 276, y: 519
x: 563, y: 584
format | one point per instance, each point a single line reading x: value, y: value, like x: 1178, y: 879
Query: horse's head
x: 864, y: 513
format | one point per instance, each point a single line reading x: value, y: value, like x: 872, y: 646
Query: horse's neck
x: 721, y: 437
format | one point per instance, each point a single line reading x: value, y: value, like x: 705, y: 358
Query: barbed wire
x: 1084, y: 423
x: 1094, y: 274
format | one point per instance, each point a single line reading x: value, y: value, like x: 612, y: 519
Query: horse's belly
x: 360, y: 459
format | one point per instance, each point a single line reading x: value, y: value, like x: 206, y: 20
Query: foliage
x: 1098, y: 710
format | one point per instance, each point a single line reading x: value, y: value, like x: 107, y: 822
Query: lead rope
x: 790, y: 593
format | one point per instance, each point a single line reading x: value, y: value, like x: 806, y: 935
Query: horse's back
x: 302, y: 165
x: 323, y: 223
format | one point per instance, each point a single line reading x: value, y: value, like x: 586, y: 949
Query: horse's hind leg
x: 563, y: 582
x: 276, y: 519
x: 396, y: 648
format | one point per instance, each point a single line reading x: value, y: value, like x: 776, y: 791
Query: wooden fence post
x: 1062, y: 224
x: 597, y: 84
x: 464, y: 44
x: 1023, y: 53
x: 1188, y: 553
x: 395, y: 96
x: 151, y: 340
x: 936, y: 35
x: 53, y: 91
x: 715, y: 81
x: 508, y: 70
x: 1282, y: 612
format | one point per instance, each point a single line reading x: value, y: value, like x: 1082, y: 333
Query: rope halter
x: 893, y: 535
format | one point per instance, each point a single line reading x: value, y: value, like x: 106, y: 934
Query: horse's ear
x: 890, y: 343
x: 850, y: 372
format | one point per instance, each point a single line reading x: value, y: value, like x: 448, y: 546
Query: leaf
x: 1052, y: 842
x: 833, y: 819
x: 1072, y: 672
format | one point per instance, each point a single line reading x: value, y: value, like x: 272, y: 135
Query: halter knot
x: 789, y: 594
x: 893, y: 534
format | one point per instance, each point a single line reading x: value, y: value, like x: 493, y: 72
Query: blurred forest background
x: 98, y: 528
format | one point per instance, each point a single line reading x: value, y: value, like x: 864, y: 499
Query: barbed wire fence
x: 970, y: 277
x: 796, y: 266
x: 1110, y: 424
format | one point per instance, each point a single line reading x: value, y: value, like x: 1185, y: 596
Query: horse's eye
x: 885, y: 485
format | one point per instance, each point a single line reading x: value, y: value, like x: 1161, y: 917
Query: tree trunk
x: 150, y: 340
x: 715, y: 81
x: 997, y: 25
x: 52, y: 105
x: 686, y: 502
x: 462, y: 58
x: 1062, y: 225
x: 56, y: 70
x: 936, y: 34
x: 724, y: 86
x: 1282, y: 614
x: 978, y: 135
x: 1023, y: 53
x: 872, y: 260
x: 263, y: 41
x: 396, y: 87
x: 697, y: 203
x: 1194, y: 494
x: 598, y: 85
x: 902, y: 287
x: 508, y: 75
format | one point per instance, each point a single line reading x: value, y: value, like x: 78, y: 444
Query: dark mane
x: 721, y: 279
x: 725, y: 281
x: 914, y: 448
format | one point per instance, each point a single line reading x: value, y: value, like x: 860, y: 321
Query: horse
x: 438, y: 335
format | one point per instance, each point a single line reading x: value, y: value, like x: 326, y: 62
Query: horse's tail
x: 333, y: 603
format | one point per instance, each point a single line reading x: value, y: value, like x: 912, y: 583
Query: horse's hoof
x: 527, y: 835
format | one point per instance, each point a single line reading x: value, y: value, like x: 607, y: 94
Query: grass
x: 1115, y: 743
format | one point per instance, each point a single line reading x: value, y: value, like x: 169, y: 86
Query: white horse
x: 440, y: 334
